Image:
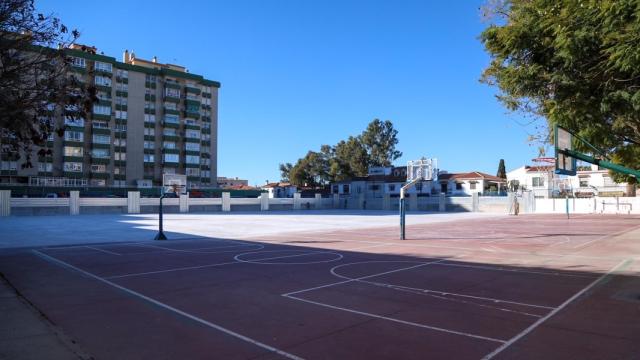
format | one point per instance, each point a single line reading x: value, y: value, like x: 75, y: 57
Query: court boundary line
x: 533, y: 326
x: 167, y: 307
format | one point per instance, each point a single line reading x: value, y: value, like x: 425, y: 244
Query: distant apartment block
x: 225, y: 182
x: 151, y: 119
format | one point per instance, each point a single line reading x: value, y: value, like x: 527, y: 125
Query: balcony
x: 192, y: 89
x: 172, y: 85
x: 171, y: 111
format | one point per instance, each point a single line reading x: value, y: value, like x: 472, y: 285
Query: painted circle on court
x: 288, y: 257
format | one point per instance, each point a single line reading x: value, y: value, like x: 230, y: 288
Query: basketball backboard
x: 174, y: 183
x: 563, y: 140
x: 423, y: 169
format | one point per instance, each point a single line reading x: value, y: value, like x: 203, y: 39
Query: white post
x: 318, y: 201
x: 184, y: 203
x: 386, y: 202
x: 226, y: 201
x: 296, y: 201
x: 74, y: 202
x: 133, y: 202
x: 264, y: 201
x: 442, y: 206
x: 475, y: 202
x: 336, y: 201
x: 5, y: 202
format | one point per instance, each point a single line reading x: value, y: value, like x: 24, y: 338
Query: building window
x: 192, y: 172
x: 193, y: 134
x: 46, y: 167
x: 149, y: 118
x: 149, y: 158
x: 205, y: 174
x: 150, y: 78
x: 472, y: 185
x: 74, y: 135
x: 120, y: 127
x: 345, y: 189
x: 98, y: 168
x: 172, y: 92
x: 103, y: 81
x: 122, y: 87
x: 78, y: 62
x: 150, y: 131
x: 100, y: 124
x: 122, y: 73
x: 71, y: 121
x: 120, y: 156
x: 169, y: 144
x: 120, y: 142
x: 172, y: 119
x: 192, y: 159
x: 103, y: 66
x: 121, y: 115
x: 149, y: 145
x: 101, y: 109
x: 73, y: 151
x: 584, y: 181
x: 101, y: 139
x: 538, y: 181
x: 458, y: 186
x: 171, y: 158
x: 392, y: 187
x: 100, y: 153
x: 192, y: 146
x: 170, y: 132
x: 72, y: 166
x: 97, y: 182
x: 170, y: 106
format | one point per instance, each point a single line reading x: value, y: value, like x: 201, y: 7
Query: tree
x: 380, y: 140
x: 35, y: 84
x: 311, y: 170
x: 572, y: 63
x: 502, y: 172
x: 285, y: 171
x: 351, y: 159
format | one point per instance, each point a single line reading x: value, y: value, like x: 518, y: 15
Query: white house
x: 588, y: 181
x: 280, y: 189
x: 466, y: 184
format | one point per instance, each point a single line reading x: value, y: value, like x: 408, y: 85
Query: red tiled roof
x: 278, y: 184
x: 539, y: 168
x: 473, y: 175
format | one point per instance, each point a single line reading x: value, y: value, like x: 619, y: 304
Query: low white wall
x: 595, y: 205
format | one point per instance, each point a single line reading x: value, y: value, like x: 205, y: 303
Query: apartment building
x: 150, y: 119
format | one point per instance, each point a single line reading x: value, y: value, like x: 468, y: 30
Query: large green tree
x: 375, y: 146
x: 35, y: 84
x: 380, y: 140
x: 502, y: 171
x: 575, y: 63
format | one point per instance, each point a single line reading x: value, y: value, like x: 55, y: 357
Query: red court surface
x: 527, y: 287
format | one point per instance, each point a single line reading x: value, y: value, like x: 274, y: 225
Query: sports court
x: 504, y: 287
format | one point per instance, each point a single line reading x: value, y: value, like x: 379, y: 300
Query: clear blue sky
x: 299, y: 74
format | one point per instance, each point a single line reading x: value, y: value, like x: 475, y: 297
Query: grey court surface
x: 28, y: 231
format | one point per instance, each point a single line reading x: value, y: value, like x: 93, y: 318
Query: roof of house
x: 473, y: 175
x: 276, y: 184
x: 241, y: 187
x: 539, y: 168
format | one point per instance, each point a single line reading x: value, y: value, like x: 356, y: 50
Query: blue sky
x: 299, y: 74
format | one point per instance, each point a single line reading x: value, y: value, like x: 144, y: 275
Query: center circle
x: 288, y: 257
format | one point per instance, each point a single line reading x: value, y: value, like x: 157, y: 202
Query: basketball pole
x: 402, y: 205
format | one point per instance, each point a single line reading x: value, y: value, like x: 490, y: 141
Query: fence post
x: 336, y: 201
x: 5, y: 202
x: 296, y: 201
x: 74, y: 202
x: 184, y: 203
x: 475, y: 202
x: 386, y: 202
x: 318, y: 201
x: 441, y: 204
x: 133, y: 202
x: 361, y: 202
x: 226, y: 201
x: 264, y: 201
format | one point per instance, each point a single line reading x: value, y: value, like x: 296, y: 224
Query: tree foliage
x: 502, y: 171
x: 35, y: 84
x: 376, y: 146
x: 575, y: 63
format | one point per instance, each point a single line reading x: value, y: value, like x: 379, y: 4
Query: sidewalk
x: 26, y: 334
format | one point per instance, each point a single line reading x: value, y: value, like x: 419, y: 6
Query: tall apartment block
x: 151, y: 119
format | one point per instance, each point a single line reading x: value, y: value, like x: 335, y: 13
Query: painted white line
x: 499, y: 268
x: 361, y: 278
x: 567, y: 240
x: 261, y: 260
x: 168, y: 307
x: 444, y: 293
x: 199, y: 250
x: 434, y: 328
x: 102, y: 250
x: 171, y: 270
x: 553, y: 312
